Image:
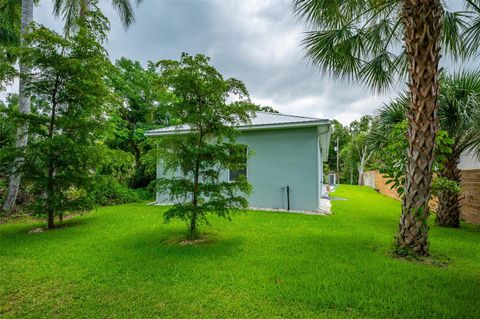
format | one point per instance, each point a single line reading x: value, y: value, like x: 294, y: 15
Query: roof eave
x: 283, y: 125
x: 165, y: 133
x: 249, y: 127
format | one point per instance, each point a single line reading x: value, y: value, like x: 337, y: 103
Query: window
x: 241, y: 170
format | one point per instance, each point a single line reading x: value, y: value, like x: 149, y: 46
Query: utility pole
x: 338, y: 151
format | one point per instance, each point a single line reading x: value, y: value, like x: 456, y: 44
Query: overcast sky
x: 256, y: 41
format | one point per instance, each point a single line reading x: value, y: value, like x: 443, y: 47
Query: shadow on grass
x: 35, y: 231
x: 171, y: 242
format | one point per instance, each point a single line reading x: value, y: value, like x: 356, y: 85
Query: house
x: 285, y: 169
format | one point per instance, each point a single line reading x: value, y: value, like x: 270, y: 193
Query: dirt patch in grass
x: 37, y: 230
x: 433, y: 260
x: 197, y: 241
x: 43, y: 229
x: 183, y: 241
x: 67, y: 221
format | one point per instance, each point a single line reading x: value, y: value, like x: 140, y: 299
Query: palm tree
x: 377, y: 42
x: 459, y: 112
x: 24, y: 108
x: 70, y: 11
x: 459, y: 115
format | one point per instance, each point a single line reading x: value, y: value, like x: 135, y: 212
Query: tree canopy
x: 71, y: 98
x: 209, y: 148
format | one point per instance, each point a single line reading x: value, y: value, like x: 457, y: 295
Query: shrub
x: 144, y: 193
x: 107, y: 190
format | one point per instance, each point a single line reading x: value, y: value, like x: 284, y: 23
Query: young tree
x: 362, y: 40
x: 70, y: 93
x: 210, y: 146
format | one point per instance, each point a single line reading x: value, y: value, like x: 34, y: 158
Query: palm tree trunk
x: 24, y: 108
x: 423, y: 24
x: 360, y: 175
x: 448, y: 213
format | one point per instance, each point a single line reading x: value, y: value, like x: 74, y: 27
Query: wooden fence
x: 471, y: 195
x: 470, y: 192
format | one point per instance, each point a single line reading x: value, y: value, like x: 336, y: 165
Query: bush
x: 144, y: 194
x: 107, y: 190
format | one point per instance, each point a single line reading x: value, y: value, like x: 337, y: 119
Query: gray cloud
x: 256, y: 41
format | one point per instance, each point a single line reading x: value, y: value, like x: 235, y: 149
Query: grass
x: 123, y: 262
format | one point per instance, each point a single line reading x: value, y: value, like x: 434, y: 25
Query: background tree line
x: 349, y: 153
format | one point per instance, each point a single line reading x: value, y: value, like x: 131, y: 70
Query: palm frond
x: 10, y: 12
x: 454, y: 41
x: 392, y: 113
x: 354, y: 39
x: 379, y: 73
x: 363, y: 39
x: 71, y: 10
x: 459, y: 109
x: 472, y: 32
x: 332, y: 51
x: 324, y: 12
x: 125, y: 11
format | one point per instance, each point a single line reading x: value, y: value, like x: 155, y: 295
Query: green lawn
x: 123, y: 262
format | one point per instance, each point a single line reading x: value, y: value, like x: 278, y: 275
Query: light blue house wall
x: 282, y: 157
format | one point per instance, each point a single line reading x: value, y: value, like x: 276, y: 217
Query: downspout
x: 288, y: 197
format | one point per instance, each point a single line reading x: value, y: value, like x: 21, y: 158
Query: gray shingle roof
x: 262, y: 120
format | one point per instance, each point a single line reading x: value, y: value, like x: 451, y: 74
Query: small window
x: 240, y: 171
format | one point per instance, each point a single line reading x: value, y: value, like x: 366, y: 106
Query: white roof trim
x: 297, y: 122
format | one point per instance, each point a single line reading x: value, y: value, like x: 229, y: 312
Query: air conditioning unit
x: 332, y: 179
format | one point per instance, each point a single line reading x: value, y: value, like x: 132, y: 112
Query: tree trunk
x: 51, y: 168
x: 193, y: 218
x: 24, y: 108
x: 360, y: 176
x: 448, y: 213
x: 423, y: 25
x: 49, y: 194
x: 51, y: 223
x: 192, y: 229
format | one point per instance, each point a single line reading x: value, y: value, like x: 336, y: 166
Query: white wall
x: 469, y: 161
